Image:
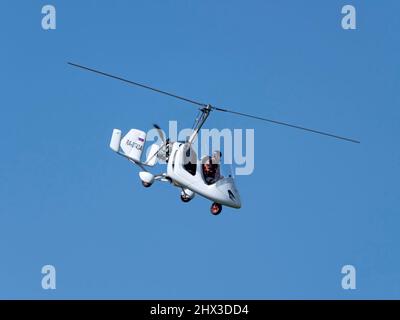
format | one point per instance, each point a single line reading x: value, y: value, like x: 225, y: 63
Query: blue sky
x: 312, y: 205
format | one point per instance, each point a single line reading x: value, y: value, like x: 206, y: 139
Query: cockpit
x: 210, y: 168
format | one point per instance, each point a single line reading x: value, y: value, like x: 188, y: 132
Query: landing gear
x: 146, y: 184
x: 185, y: 198
x: 187, y: 195
x: 216, y: 209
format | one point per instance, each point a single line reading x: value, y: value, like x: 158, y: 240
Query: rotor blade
x: 160, y: 132
x: 214, y: 108
x: 137, y: 84
x: 287, y: 125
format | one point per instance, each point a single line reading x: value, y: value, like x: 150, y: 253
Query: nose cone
x: 238, y: 202
x: 227, y: 194
x: 234, y: 197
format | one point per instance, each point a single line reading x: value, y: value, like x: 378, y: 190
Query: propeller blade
x: 160, y: 132
x: 137, y: 84
x: 287, y: 124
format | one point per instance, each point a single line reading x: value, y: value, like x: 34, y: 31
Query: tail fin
x: 115, y: 140
x: 132, y: 144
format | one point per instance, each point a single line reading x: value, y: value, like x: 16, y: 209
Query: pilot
x: 211, y: 168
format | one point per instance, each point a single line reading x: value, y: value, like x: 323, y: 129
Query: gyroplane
x: 184, y: 170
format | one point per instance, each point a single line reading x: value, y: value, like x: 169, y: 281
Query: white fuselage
x: 223, y: 191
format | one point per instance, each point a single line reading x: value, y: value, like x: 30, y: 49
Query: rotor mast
x: 205, y: 112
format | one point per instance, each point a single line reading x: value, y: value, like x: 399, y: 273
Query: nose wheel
x: 216, y: 209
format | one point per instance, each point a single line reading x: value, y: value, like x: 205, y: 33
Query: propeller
x: 211, y: 107
x: 160, y: 132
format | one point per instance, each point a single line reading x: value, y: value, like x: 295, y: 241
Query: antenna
x: 209, y: 107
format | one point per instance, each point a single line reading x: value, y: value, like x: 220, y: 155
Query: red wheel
x: 216, y: 209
